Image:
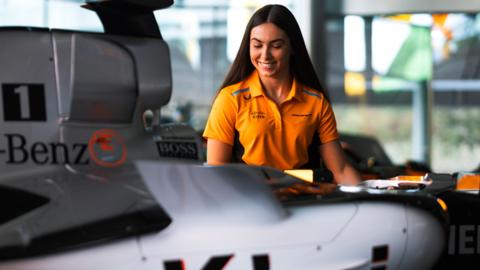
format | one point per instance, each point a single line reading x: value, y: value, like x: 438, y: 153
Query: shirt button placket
x: 276, y: 114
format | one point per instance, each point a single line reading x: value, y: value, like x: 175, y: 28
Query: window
x: 376, y: 82
x: 50, y: 14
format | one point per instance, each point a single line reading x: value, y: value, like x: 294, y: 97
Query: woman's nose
x: 266, y: 52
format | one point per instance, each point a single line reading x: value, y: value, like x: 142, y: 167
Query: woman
x: 272, y: 105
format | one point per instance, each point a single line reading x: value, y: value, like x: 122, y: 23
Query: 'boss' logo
x: 186, y: 150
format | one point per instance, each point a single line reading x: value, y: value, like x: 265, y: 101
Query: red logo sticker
x: 107, y: 148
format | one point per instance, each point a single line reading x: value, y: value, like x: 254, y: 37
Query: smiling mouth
x: 266, y: 65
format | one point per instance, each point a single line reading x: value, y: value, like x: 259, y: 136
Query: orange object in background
x: 468, y: 182
x: 408, y: 178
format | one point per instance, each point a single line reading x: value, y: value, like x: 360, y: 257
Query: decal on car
x: 259, y: 262
x: 24, y: 102
x: 379, y: 257
x: 42, y: 153
x: 176, y: 149
x: 464, y: 239
x: 105, y: 147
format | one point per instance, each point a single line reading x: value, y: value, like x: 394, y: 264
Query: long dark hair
x: 300, y: 64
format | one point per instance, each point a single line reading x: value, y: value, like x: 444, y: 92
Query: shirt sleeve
x: 221, y: 121
x: 327, y: 129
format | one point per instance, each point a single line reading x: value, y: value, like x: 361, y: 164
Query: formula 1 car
x: 87, y: 183
x: 183, y: 216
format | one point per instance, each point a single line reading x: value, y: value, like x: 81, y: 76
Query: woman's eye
x: 257, y: 46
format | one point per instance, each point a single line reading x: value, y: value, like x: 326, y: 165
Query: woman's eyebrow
x: 273, y: 41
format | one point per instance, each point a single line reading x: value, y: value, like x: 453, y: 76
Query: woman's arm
x: 334, y: 158
x: 218, y: 152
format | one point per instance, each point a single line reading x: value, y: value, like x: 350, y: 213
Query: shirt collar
x: 254, y: 84
x: 256, y: 89
x: 295, y: 91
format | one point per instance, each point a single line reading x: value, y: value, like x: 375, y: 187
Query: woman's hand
x: 334, y: 158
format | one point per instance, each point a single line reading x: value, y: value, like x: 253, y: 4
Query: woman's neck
x: 277, y: 88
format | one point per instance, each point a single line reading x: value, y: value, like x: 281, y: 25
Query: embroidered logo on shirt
x: 247, y: 97
x: 302, y: 114
x: 258, y: 115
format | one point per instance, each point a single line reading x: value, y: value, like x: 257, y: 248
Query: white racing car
x: 85, y: 185
x: 163, y: 215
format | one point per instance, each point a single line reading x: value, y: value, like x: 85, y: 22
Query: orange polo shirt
x: 271, y: 135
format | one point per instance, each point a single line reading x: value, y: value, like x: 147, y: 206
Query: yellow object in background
x: 355, y: 84
x: 305, y: 175
x: 401, y: 18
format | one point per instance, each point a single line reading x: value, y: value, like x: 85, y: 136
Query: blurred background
x: 405, y: 72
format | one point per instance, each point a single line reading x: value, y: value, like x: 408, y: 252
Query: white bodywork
x: 226, y: 211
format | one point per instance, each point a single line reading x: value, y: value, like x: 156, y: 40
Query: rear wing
x: 129, y: 17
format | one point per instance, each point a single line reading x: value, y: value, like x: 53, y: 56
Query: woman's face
x: 270, y: 50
